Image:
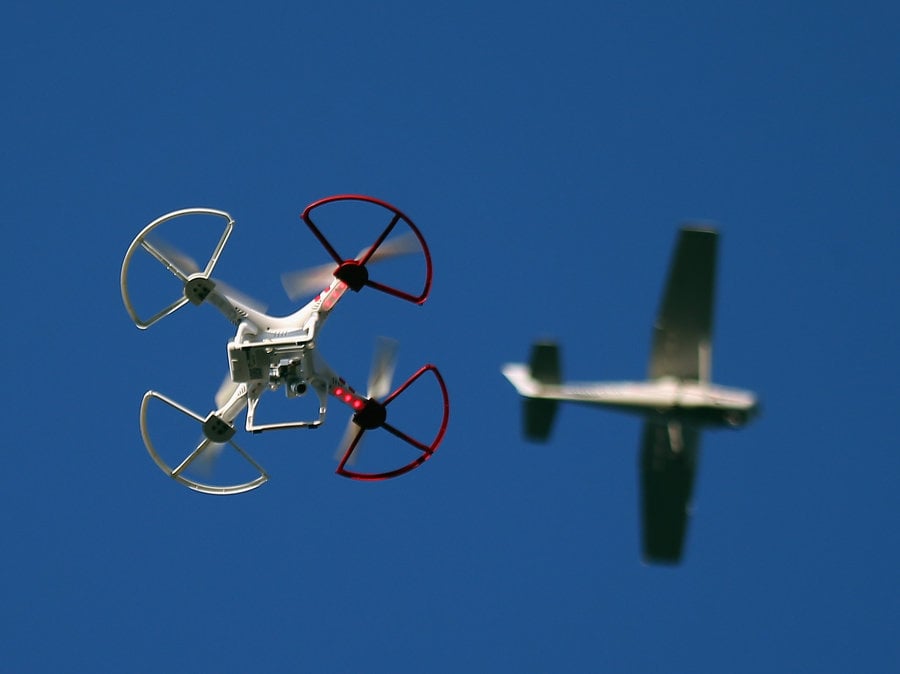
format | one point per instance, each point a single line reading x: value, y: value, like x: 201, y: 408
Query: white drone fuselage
x: 268, y: 352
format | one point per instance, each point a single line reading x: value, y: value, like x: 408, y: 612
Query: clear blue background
x: 548, y: 151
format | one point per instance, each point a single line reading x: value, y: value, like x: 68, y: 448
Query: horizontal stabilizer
x: 543, y: 369
x: 538, y: 416
x: 520, y: 377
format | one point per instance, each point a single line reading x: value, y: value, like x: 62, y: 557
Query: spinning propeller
x: 306, y: 282
x: 380, y: 376
x: 184, y: 266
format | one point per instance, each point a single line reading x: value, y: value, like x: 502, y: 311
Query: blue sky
x: 548, y: 153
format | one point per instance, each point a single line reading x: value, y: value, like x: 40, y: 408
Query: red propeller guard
x: 355, y: 270
x: 375, y: 414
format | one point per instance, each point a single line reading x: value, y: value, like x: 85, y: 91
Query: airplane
x: 677, y: 401
x: 268, y: 353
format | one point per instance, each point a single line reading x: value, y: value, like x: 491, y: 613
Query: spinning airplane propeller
x: 268, y: 353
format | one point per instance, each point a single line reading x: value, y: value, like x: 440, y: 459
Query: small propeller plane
x: 677, y: 401
x: 268, y: 353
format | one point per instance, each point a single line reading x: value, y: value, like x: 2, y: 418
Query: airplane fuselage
x: 699, y: 403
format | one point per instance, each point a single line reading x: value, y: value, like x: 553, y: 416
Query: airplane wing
x: 669, y: 455
x: 682, y: 334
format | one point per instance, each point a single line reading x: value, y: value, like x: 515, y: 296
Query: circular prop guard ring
x: 426, y: 449
x: 397, y: 216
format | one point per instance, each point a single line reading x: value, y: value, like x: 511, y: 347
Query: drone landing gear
x: 372, y: 414
x: 217, y: 438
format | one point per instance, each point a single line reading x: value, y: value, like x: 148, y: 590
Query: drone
x: 269, y: 353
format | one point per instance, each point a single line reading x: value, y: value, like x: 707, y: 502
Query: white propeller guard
x: 141, y: 242
x: 177, y: 472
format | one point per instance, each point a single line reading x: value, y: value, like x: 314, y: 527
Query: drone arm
x: 330, y: 298
x: 171, y: 264
x: 239, y: 399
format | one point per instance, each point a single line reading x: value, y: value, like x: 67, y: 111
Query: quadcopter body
x: 268, y: 353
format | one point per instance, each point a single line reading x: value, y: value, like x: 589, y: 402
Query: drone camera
x: 295, y: 389
x: 288, y: 372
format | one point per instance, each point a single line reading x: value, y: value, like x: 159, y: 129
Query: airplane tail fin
x: 543, y: 368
